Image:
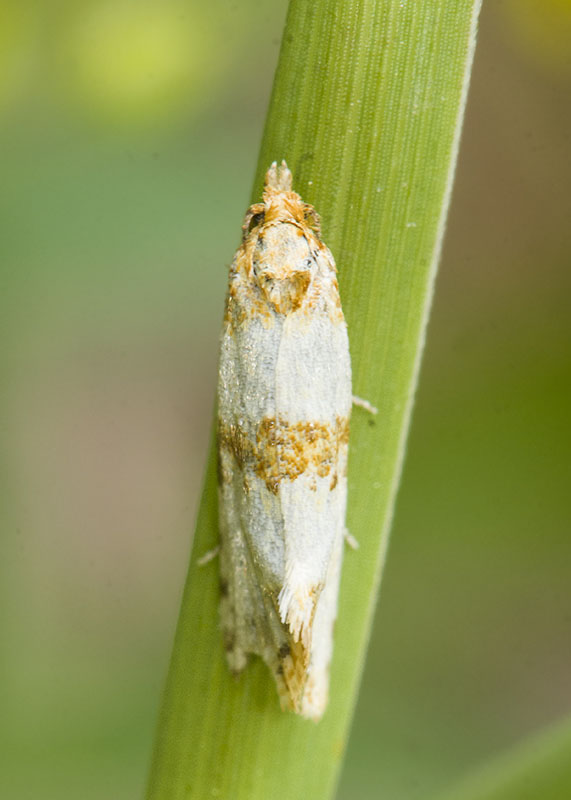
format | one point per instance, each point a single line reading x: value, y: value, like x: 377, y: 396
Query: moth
x: 284, y: 402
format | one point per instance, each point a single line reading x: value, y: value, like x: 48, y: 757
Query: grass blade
x: 367, y: 107
x: 538, y: 768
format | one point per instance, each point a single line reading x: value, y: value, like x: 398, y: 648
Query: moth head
x: 283, y: 266
x: 282, y: 203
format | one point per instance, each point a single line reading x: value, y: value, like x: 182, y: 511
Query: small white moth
x: 284, y: 401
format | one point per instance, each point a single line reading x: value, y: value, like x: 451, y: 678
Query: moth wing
x: 249, y: 617
x: 316, y: 689
x: 250, y: 520
x: 284, y: 406
x: 313, y: 393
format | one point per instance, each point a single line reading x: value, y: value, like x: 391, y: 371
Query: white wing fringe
x: 297, y: 608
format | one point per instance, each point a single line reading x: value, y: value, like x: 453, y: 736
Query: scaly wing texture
x: 284, y: 401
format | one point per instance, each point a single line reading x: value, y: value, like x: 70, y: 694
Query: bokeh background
x: 129, y: 136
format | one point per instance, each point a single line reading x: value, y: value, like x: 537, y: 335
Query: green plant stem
x: 537, y: 769
x: 366, y: 109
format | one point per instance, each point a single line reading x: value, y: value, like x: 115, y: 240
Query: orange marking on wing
x: 284, y: 451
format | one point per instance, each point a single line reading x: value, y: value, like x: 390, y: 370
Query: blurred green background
x: 129, y: 136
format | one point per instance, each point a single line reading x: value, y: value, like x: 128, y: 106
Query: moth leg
x: 358, y: 401
x: 350, y: 539
x: 210, y: 555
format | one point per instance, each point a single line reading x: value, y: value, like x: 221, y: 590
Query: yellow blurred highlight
x: 543, y: 28
x: 137, y: 62
x: 17, y: 43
